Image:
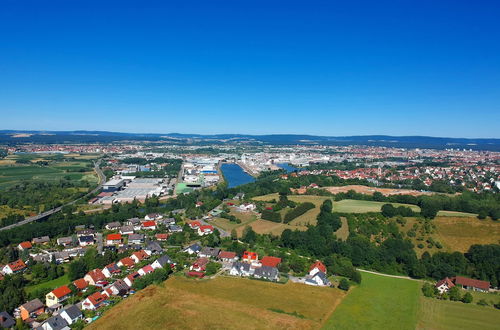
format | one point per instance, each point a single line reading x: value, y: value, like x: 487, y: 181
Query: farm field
x: 444, y: 314
x: 459, y: 233
x: 221, y: 303
x: 268, y: 227
x: 370, y: 190
x: 455, y: 214
x: 356, y: 206
x: 378, y: 303
x: 227, y: 225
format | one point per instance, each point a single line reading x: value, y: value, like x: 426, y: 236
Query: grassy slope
x: 356, y: 206
x: 439, y: 314
x: 55, y: 283
x: 378, y: 303
x: 221, y: 303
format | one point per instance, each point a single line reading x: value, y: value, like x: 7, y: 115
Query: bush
x: 429, y: 290
x: 344, y: 284
x: 467, y: 298
x: 482, y: 302
x: 420, y: 246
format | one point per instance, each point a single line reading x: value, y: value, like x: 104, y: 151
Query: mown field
x: 459, y: 233
x: 444, y: 314
x: 356, y: 206
x: 223, y: 303
x: 378, y: 303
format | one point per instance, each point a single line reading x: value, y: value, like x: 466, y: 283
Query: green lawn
x: 444, y: 314
x: 378, y: 303
x: 55, y: 283
x: 356, y: 206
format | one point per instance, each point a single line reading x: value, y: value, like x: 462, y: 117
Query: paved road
x: 102, y: 179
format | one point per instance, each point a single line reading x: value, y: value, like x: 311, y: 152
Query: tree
x: 467, y: 298
x: 212, y: 268
x: 388, y: 210
x: 429, y: 290
x: 234, y: 234
x: 454, y: 294
x: 77, y: 269
x: 249, y: 235
x: 344, y: 284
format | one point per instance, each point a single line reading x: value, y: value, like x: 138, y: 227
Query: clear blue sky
x: 245, y: 66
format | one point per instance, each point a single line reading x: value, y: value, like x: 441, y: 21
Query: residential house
x: 129, y: 280
x: 193, y: 249
x: 71, y: 314
x: 113, y: 225
x: 153, y: 216
x: 247, y: 207
x: 139, y: 256
x: 23, y: 246
x: 126, y: 262
x: 161, y: 237
x: 86, y: 240
x: 31, y: 309
x: 318, y: 279
x: 146, y: 270
x: 227, y: 256
x: 119, y: 288
x: 444, y: 285
x: 153, y: 247
x: 136, y: 238
x: 267, y: 272
x: 6, y: 321
x: 205, y: 230
x: 149, y: 225
x: 126, y: 230
x: 168, y: 221
x: 94, y: 276
x: 41, y: 240
x: 240, y: 269
x: 57, y: 296
x: 55, y: 322
x: 111, y: 269
x: 14, y: 267
x: 65, y: 241
x: 250, y: 257
x: 162, y: 262
x: 199, y: 265
x: 175, y: 229
x: 94, y: 301
x: 62, y: 256
x: 194, y: 224
x: 134, y: 222
x: 318, y: 266
x: 471, y: 284
x: 113, y: 239
x: 42, y: 257
x: 81, y: 284
x: 208, y: 252
x: 270, y: 261
x: 85, y: 232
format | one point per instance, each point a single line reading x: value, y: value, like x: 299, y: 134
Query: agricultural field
x: 455, y: 214
x: 444, y: 314
x: 459, y: 233
x: 221, y: 303
x: 356, y: 206
x: 268, y: 227
x: 378, y: 303
x: 245, y: 217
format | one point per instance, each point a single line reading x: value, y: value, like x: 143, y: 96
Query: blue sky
x: 257, y: 67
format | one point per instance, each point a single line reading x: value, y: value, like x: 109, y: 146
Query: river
x: 234, y: 175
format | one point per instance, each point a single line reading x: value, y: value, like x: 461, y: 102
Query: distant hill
x: 16, y: 136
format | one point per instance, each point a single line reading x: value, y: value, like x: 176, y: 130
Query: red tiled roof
x: 149, y: 224
x: 206, y: 228
x: 96, y: 275
x: 194, y: 224
x: 141, y: 255
x: 61, y: 291
x: 270, y: 261
x: 114, y: 237
x: 250, y: 255
x: 161, y: 236
x: 196, y: 274
x: 148, y: 269
x: 17, y: 265
x: 446, y: 281
x: 127, y: 262
x: 227, y: 255
x: 318, y: 264
x: 96, y: 298
x: 464, y: 281
x: 80, y: 284
x: 26, y: 245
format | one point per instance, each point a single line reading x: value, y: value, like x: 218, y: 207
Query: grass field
x: 223, y: 303
x: 55, y: 283
x: 343, y: 232
x: 355, y: 206
x: 459, y: 233
x: 439, y: 314
x: 378, y: 303
x: 455, y: 214
x: 227, y: 225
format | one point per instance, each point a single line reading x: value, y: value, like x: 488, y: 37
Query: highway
x: 102, y: 179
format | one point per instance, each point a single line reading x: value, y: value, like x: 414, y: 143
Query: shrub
x: 298, y: 211
x: 344, y: 284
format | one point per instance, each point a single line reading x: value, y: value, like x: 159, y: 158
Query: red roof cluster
x: 270, y: 261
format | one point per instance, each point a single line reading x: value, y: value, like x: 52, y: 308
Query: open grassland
x: 268, y: 227
x: 455, y: 214
x: 444, y: 314
x: 459, y: 233
x: 223, y: 303
x: 245, y: 217
x: 356, y: 206
x: 378, y: 303
x: 343, y: 232
x: 55, y: 283
x: 370, y: 190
